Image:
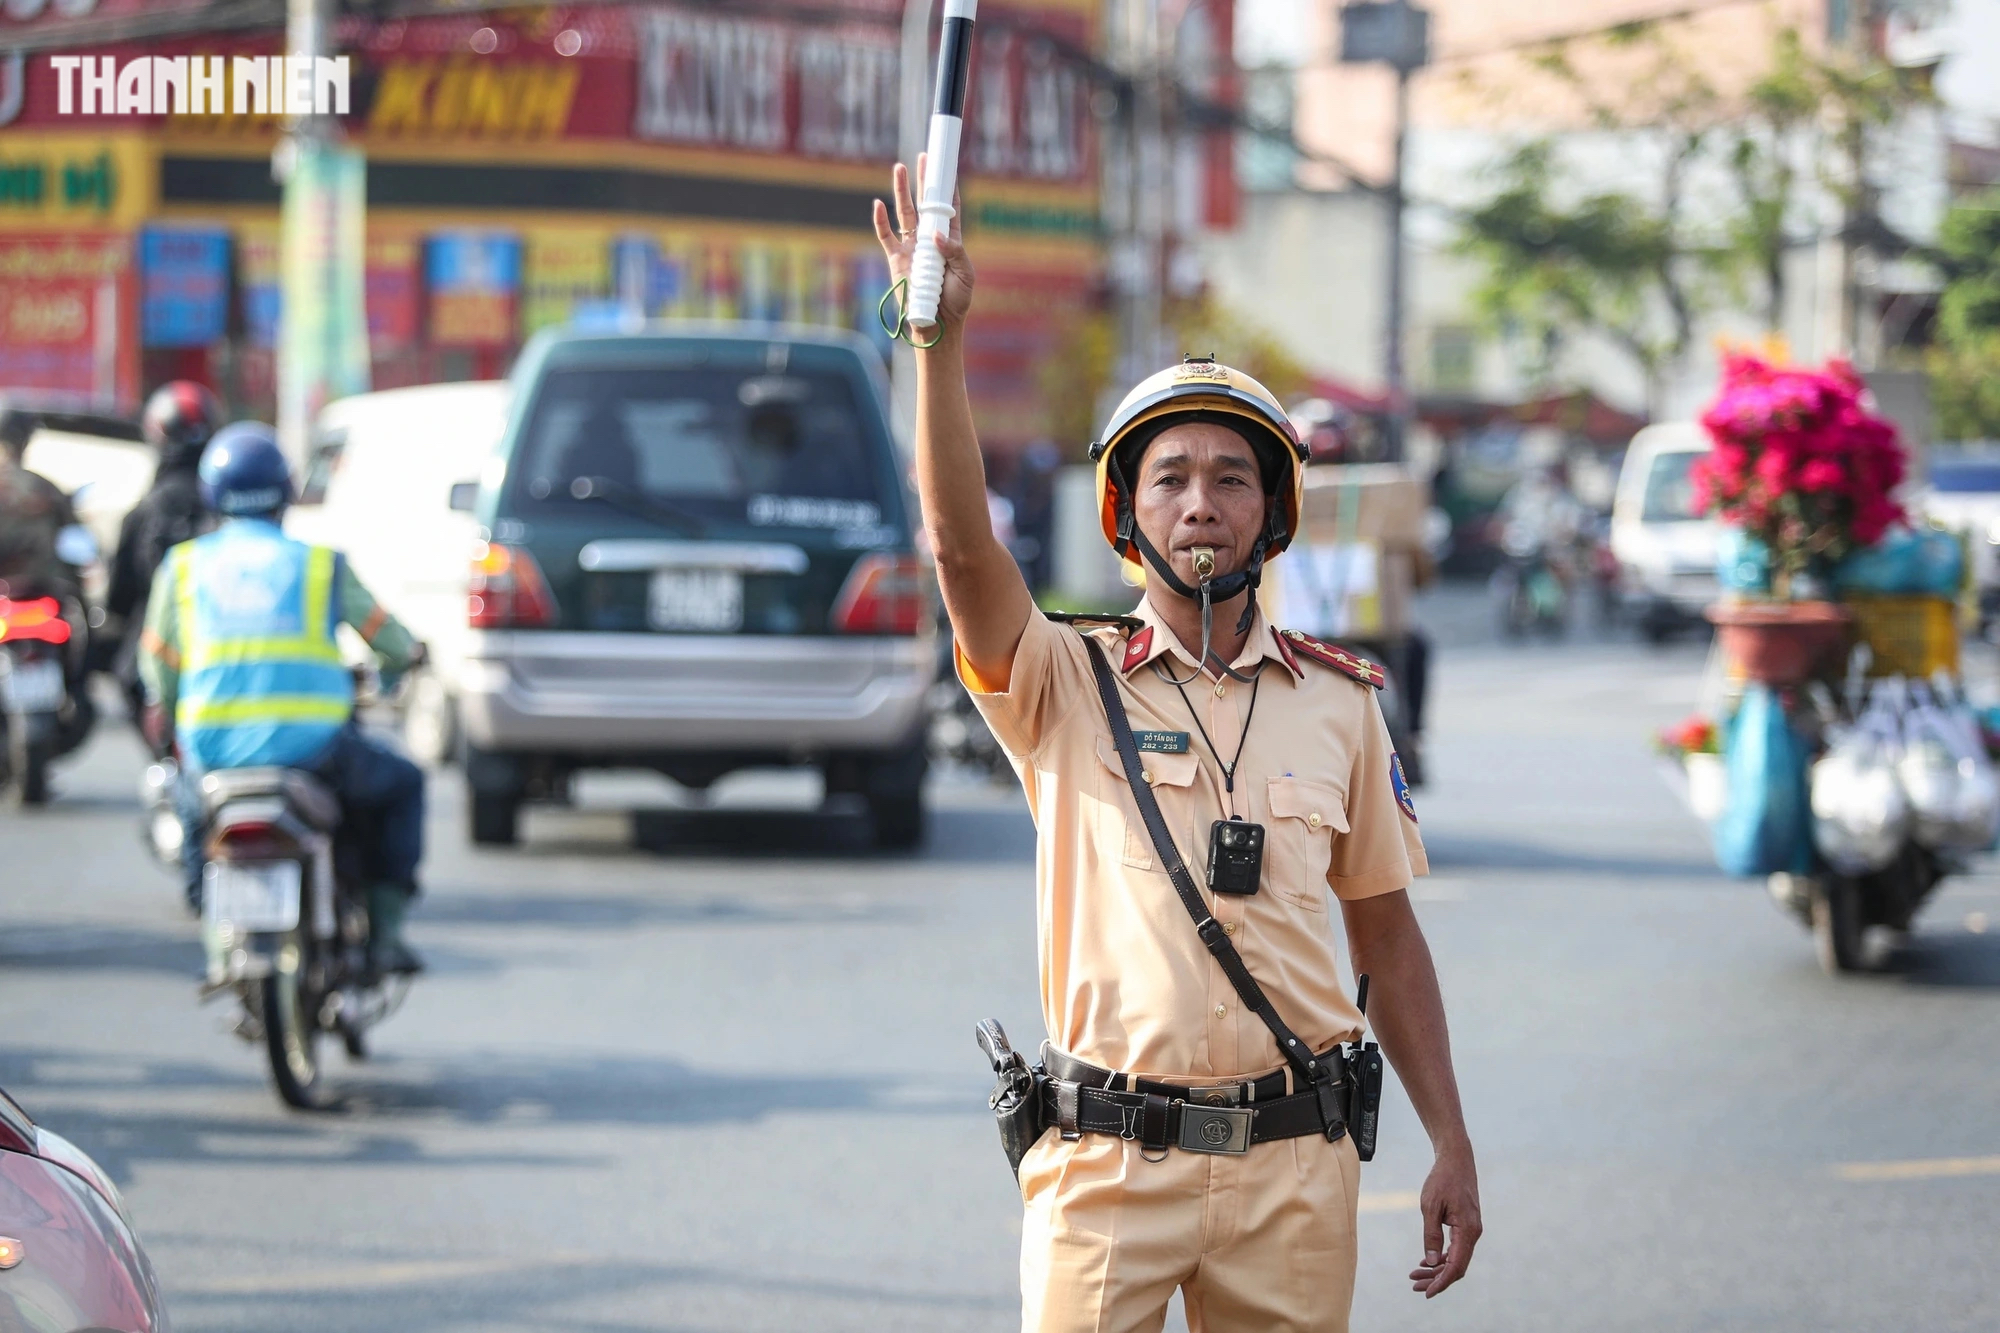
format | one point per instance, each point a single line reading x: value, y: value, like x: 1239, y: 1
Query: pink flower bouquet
x: 1798, y: 463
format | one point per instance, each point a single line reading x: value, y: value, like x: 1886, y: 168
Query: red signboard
x: 687, y: 75
x: 67, y: 309
x: 392, y: 294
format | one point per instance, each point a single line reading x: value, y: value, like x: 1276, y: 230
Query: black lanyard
x: 1228, y: 769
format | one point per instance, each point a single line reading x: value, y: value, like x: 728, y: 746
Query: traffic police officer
x: 1200, y: 478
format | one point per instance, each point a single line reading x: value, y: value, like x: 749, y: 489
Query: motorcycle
x: 284, y: 899
x: 44, y: 710
x: 1528, y: 590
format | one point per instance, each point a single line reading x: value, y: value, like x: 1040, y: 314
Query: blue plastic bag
x: 1742, y: 562
x: 1942, y: 564
x: 1930, y: 563
x: 1767, y: 824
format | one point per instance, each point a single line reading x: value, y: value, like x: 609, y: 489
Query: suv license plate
x: 32, y: 687
x: 696, y: 599
x: 252, y: 897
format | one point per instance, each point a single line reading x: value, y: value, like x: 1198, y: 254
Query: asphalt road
x: 729, y: 1083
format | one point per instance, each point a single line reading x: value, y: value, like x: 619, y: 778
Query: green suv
x: 697, y: 557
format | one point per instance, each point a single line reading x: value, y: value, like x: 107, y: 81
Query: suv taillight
x: 884, y: 594
x: 507, y: 590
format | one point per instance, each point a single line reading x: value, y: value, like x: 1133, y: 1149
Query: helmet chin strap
x: 1210, y: 590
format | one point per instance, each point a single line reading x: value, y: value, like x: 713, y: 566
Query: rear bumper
x: 1679, y: 596
x: 553, y: 692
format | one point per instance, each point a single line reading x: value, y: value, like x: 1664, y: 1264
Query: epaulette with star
x: 1339, y: 659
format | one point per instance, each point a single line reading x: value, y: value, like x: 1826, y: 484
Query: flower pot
x: 1778, y: 643
x: 1707, y: 785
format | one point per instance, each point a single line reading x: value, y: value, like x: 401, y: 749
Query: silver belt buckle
x: 1215, y: 1129
x: 1221, y: 1094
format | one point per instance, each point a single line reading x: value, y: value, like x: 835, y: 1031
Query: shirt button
x: 1218, y: 689
x: 1312, y: 820
x: 1147, y: 775
x: 1229, y: 927
x: 1221, y: 1009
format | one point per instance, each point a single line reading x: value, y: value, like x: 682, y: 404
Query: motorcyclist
x: 42, y: 550
x: 178, y: 420
x: 242, y: 670
x: 33, y: 511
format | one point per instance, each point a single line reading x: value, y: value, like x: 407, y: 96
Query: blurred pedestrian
x: 1197, y: 1134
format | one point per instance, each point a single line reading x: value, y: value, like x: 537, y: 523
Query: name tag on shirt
x: 1161, y: 742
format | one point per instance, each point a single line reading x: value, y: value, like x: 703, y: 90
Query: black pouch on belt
x: 1017, y: 1094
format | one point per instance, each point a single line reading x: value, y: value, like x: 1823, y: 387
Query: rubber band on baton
x: 901, y: 329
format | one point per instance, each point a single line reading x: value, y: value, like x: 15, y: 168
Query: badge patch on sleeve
x: 1402, y: 785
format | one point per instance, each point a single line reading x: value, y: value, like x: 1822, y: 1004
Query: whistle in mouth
x: 1204, y: 562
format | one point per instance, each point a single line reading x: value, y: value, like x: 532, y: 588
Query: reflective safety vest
x: 262, y: 679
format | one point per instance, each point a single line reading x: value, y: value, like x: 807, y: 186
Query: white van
x: 1665, y: 551
x: 378, y: 485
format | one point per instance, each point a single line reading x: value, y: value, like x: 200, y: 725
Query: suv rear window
x: 770, y: 450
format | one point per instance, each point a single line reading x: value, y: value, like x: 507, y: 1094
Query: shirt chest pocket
x: 1122, y: 832
x: 1298, y: 847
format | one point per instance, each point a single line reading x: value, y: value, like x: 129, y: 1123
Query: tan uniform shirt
x: 1126, y: 982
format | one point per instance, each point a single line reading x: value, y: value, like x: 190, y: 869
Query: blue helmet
x: 243, y: 473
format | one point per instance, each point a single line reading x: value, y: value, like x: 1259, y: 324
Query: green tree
x: 1637, y: 266
x: 1965, y: 364
x: 1630, y: 265
x: 1552, y: 270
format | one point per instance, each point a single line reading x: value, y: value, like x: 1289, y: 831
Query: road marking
x: 370, y: 1276
x: 1934, y: 1168
x: 1389, y: 1201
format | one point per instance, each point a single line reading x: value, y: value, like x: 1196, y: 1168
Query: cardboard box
x: 1346, y: 591
x: 1378, y: 503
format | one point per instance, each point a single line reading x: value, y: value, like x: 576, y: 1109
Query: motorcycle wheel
x: 25, y: 773
x: 1836, y: 925
x: 291, y: 1032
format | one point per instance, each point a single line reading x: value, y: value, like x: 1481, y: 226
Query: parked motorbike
x: 957, y: 731
x: 45, y: 711
x: 284, y: 897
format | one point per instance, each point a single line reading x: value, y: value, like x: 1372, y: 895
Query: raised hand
x: 900, y: 242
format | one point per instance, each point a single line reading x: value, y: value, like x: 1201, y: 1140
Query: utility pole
x: 1397, y: 34
x: 323, y: 327
x: 1393, y: 378
x: 1135, y: 191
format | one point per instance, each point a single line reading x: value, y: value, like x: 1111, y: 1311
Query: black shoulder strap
x: 1307, y: 1065
x: 1074, y: 619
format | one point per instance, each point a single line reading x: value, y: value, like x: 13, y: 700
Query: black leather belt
x: 1225, y: 1117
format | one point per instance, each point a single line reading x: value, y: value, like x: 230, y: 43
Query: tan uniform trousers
x: 1257, y: 1243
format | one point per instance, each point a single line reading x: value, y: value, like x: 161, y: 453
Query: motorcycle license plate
x: 262, y: 896
x: 709, y: 600
x: 32, y: 687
